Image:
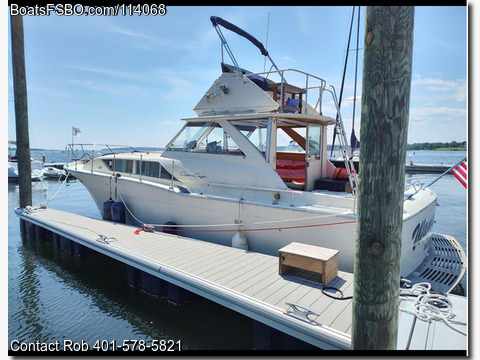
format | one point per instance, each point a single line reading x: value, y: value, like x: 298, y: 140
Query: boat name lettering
x: 197, y: 175
x: 421, y: 230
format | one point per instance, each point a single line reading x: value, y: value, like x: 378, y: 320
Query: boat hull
x: 267, y: 227
x: 36, y: 171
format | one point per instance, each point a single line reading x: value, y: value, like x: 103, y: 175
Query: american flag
x: 460, y: 172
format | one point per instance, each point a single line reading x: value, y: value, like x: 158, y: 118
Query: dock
x: 409, y: 168
x: 295, y: 304
x: 426, y: 168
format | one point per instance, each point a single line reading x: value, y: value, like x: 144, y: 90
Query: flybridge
x: 238, y: 91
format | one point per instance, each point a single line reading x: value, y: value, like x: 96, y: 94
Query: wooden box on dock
x: 308, y: 257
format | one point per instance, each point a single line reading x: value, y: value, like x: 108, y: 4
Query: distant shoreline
x: 443, y: 146
x: 451, y: 149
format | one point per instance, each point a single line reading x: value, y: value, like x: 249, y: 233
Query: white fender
x: 240, y: 241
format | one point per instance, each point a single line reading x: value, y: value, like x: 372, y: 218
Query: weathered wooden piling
x: 385, y: 107
x: 21, y: 111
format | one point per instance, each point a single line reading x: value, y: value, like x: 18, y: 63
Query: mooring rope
x: 43, y: 204
x: 429, y: 306
x: 148, y: 227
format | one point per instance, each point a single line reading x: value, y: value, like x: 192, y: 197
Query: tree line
x: 437, y: 145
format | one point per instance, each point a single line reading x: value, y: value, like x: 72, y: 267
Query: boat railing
x: 86, y: 152
x: 305, y: 84
x: 308, y: 84
x: 416, y: 185
x: 83, y: 152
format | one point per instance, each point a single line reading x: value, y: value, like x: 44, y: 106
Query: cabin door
x: 313, y: 155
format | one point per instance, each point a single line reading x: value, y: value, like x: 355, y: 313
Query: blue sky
x: 129, y: 80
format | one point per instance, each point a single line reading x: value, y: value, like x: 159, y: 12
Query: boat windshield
x: 204, y: 137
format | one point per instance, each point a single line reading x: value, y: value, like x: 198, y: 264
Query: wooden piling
x: 385, y: 107
x: 21, y: 111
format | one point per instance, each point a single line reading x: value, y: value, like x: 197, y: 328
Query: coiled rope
x: 429, y: 306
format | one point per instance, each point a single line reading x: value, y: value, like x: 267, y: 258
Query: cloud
x: 304, y: 21
x: 46, y: 91
x: 438, y: 116
x: 163, y: 41
x: 358, y: 99
x: 114, y: 89
x: 200, y: 40
x: 108, y: 72
x: 456, y: 87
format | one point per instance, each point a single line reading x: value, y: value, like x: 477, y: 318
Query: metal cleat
x: 300, y: 313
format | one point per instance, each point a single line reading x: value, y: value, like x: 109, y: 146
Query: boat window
x: 291, y: 147
x: 217, y: 141
x: 255, y: 131
x: 109, y: 164
x: 204, y: 138
x: 189, y: 137
x: 122, y: 165
x: 164, y: 174
x: 149, y: 168
x: 314, y: 139
x: 153, y: 169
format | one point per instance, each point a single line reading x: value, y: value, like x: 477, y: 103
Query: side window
x: 109, y: 164
x: 164, y: 174
x: 258, y: 137
x: 255, y: 131
x: 122, y: 165
x: 150, y: 168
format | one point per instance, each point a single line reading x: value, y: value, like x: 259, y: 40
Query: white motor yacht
x: 222, y: 178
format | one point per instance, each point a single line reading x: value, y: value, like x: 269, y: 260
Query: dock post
x: 21, y: 111
x: 42, y: 234
x: 23, y: 230
x: 30, y: 230
x: 387, y: 76
x: 268, y: 338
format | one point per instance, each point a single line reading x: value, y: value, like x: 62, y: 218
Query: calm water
x: 52, y: 296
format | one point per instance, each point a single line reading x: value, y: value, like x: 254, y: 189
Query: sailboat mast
x: 343, y: 76
x: 354, y: 143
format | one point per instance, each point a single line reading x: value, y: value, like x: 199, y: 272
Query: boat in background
x: 52, y: 172
x: 37, y: 166
x: 223, y: 178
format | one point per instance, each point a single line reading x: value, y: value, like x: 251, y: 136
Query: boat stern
x: 419, y: 217
x: 444, y: 266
